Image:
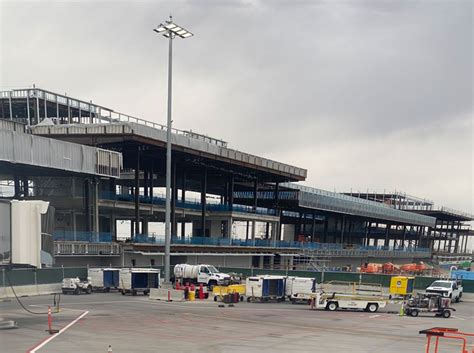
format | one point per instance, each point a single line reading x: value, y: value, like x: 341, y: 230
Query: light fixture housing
x: 170, y: 28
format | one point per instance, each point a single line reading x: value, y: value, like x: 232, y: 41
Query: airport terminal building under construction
x: 99, y: 169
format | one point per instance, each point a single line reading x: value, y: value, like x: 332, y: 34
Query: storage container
x: 104, y: 278
x: 134, y: 280
x: 265, y: 287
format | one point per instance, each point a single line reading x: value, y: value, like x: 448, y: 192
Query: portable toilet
x: 133, y: 280
x: 402, y: 286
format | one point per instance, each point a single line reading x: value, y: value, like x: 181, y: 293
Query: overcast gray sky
x: 364, y: 94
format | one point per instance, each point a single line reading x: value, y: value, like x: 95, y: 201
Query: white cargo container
x: 104, y: 278
x: 134, y: 280
x: 264, y: 288
x: 300, y: 289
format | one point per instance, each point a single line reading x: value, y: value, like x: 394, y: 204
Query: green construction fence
x: 19, y: 277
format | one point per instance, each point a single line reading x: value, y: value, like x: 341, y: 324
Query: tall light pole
x: 170, y: 30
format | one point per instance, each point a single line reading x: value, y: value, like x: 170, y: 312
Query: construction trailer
x: 104, y: 278
x: 265, y: 288
x: 134, y: 280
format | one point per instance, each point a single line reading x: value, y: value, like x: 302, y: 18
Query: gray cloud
x: 362, y: 93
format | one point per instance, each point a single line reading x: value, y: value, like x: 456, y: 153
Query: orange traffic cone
x: 50, y: 323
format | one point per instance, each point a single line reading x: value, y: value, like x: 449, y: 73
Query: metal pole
x: 28, y: 107
x: 10, y: 104
x: 168, y: 167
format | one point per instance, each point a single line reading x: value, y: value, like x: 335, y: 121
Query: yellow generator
x: 402, y: 286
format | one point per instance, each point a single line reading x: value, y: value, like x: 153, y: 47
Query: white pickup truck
x: 447, y: 288
x: 76, y: 286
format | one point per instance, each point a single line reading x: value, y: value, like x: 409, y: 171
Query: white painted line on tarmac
x: 457, y: 317
x: 49, y: 339
x: 373, y: 316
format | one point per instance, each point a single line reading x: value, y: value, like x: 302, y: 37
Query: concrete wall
x: 30, y: 290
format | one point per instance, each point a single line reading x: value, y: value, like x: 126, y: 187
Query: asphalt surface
x: 138, y: 324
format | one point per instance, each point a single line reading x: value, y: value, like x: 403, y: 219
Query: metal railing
x: 267, y: 195
x: 85, y: 248
x: 97, y: 113
x: 323, y: 247
x: 188, y: 204
x: 88, y: 245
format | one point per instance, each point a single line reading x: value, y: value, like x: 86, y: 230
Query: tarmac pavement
x: 138, y: 324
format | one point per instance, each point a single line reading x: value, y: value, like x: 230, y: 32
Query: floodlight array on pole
x: 170, y: 30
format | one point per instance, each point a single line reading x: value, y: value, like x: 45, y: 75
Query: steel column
x: 387, y: 233
x: 28, y: 107
x: 174, y: 197
x: 145, y: 182
x: 343, y: 225
x: 137, y: 192
x: 151, y: 180
x: 231, y: 193
x: 25, y: 187
x: 404, y: 236
x: 45, y: 105
x: 183, y: 199
x: 16, y: 182
x: 247, y: 231
x: 203, y: 201
x: 255, y: 198
x: 96, y: 208
x: 37, y: 107
x: 10, y: 104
